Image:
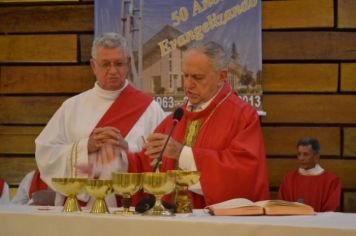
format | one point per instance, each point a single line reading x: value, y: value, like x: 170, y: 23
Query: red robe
x: 322, y: 192
x: 228, y: 151
x: 2, y: 183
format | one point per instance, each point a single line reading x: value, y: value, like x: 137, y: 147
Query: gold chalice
x: 184, y: 178
x: 126, y: 184
x: 69, y: 187
x: 99, y: 189
x: 158, y: 184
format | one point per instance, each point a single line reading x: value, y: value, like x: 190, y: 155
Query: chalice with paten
x: 99, y: 189
x: 126, y: 185
x: 184, y: 179
x: 69, y: 187
x: 158, y: 184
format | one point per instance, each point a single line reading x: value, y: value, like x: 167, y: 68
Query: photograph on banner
x: 160, y: 32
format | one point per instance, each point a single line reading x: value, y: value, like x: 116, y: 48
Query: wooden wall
x: 309, y: 76
x: 309, y: 79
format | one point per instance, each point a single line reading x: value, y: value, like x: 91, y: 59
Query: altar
x: 16, y: 220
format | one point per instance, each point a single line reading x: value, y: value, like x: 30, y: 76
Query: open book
x: 245, y: 207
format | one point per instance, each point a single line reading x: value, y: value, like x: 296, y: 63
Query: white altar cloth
x: 18, y: 220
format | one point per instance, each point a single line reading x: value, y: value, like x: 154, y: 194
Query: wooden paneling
x: 85, y: 47
x: 45, y: 79
x: 281, y: 141
x: 350, y: 202
x: 28, y: 110
x: 38, y: 48
x: 319, y: 109
x: 300, y: 77
x: 318, y: 45
x: 345, y: 169
x: 350, y: 142
x: 297, y: 14
x: 13, y: 169
x: 346, y: 14
x: 46, y: 18
x: 18, y: 139
x: 348, y: 77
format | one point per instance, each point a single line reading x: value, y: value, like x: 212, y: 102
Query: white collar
x: 108, y: 94
x: 202, y: 106
x: 317, y: 170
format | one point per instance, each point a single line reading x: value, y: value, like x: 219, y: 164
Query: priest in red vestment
x: 311, y: 184
x: 219, y: 135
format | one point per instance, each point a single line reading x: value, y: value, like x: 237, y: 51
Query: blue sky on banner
x: 244, y: 29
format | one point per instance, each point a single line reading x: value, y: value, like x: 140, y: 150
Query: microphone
x: 177, y: 116
x: 145, y: 204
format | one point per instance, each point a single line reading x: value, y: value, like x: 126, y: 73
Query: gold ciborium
x: 126, y: 184
x: 99, y: 189
x: 184, y: 178
x: 69, y: 187
x: 158, y: 184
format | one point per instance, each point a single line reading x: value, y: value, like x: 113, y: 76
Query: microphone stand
x: 159, y: 159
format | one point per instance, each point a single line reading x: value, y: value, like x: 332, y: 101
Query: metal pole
x: 140, y: 46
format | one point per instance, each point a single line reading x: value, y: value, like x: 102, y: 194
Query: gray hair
x: 314, y: 143
x: 110, y: 40
x: 214, y: 51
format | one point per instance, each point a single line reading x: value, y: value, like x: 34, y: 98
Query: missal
x: 245, y: 207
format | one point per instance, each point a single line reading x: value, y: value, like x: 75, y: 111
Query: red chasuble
x: 228, y: 150
x: 122, y: 114
x: 322, y: 192
x: 2, y: 183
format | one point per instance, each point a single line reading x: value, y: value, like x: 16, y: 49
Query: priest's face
x: 110, y: 67
x: 201, y: 80
x: 307, y: 157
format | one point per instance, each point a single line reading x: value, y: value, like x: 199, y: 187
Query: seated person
x: 33, y: 191
x: 4, y: 193
x: 311, y: 184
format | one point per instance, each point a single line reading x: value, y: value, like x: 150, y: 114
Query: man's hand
x: 155, y: 144
x: 108, y: 154
x: 106, y: 135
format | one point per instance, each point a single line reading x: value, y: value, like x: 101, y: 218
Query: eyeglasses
x: 106, y: 65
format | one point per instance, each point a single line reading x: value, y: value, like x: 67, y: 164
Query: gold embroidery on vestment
x: 73, y: 160
x: 191, y: 132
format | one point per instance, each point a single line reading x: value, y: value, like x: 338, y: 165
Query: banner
x: 160, y: 31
